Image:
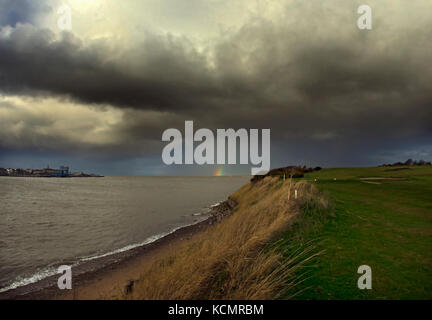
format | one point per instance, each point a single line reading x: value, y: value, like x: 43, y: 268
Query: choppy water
x: 45, y: 222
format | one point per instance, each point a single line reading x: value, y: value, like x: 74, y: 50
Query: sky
x: 99, y: 96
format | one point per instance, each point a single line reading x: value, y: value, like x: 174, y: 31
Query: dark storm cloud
x: 332, y: 93
x: 162, y: 74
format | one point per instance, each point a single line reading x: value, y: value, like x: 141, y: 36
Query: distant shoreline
x: 77, y: 176
x: 62, y: 172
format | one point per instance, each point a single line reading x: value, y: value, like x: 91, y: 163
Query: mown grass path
x: 383, y: 223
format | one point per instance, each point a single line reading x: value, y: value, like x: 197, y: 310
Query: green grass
x: 385, y: 224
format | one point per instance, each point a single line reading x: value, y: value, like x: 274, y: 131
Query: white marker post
x: 295, y: 193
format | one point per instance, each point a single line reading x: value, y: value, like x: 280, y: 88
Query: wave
x: 38, y: 276
x: 140, y: 244
x: 51, y: 271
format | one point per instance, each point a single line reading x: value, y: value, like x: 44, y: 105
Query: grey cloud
x: 325, y: 90
x: 162, y: 74
x: 21, y: 11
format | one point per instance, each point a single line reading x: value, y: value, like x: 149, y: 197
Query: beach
x: 110, y: 276
x: 223, y: 255
x: 89, y: 223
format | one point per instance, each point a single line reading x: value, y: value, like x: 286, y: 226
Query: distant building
x: 20, y: 172
x: 38, y: 172
x: 64, y: 171
x: 50, y: 172
x: 47, y: 172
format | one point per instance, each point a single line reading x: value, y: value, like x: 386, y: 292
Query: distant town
x: 62, y: 172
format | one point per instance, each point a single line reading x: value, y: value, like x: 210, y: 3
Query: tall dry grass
x: 231, y: 260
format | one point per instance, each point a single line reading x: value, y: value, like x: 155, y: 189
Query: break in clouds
x: 330, y: 93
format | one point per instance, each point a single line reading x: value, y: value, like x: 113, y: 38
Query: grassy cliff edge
x: 238, y: 258
x: 274, y: 246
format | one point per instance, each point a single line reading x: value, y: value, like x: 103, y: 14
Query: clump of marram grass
x: 232, y: 260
